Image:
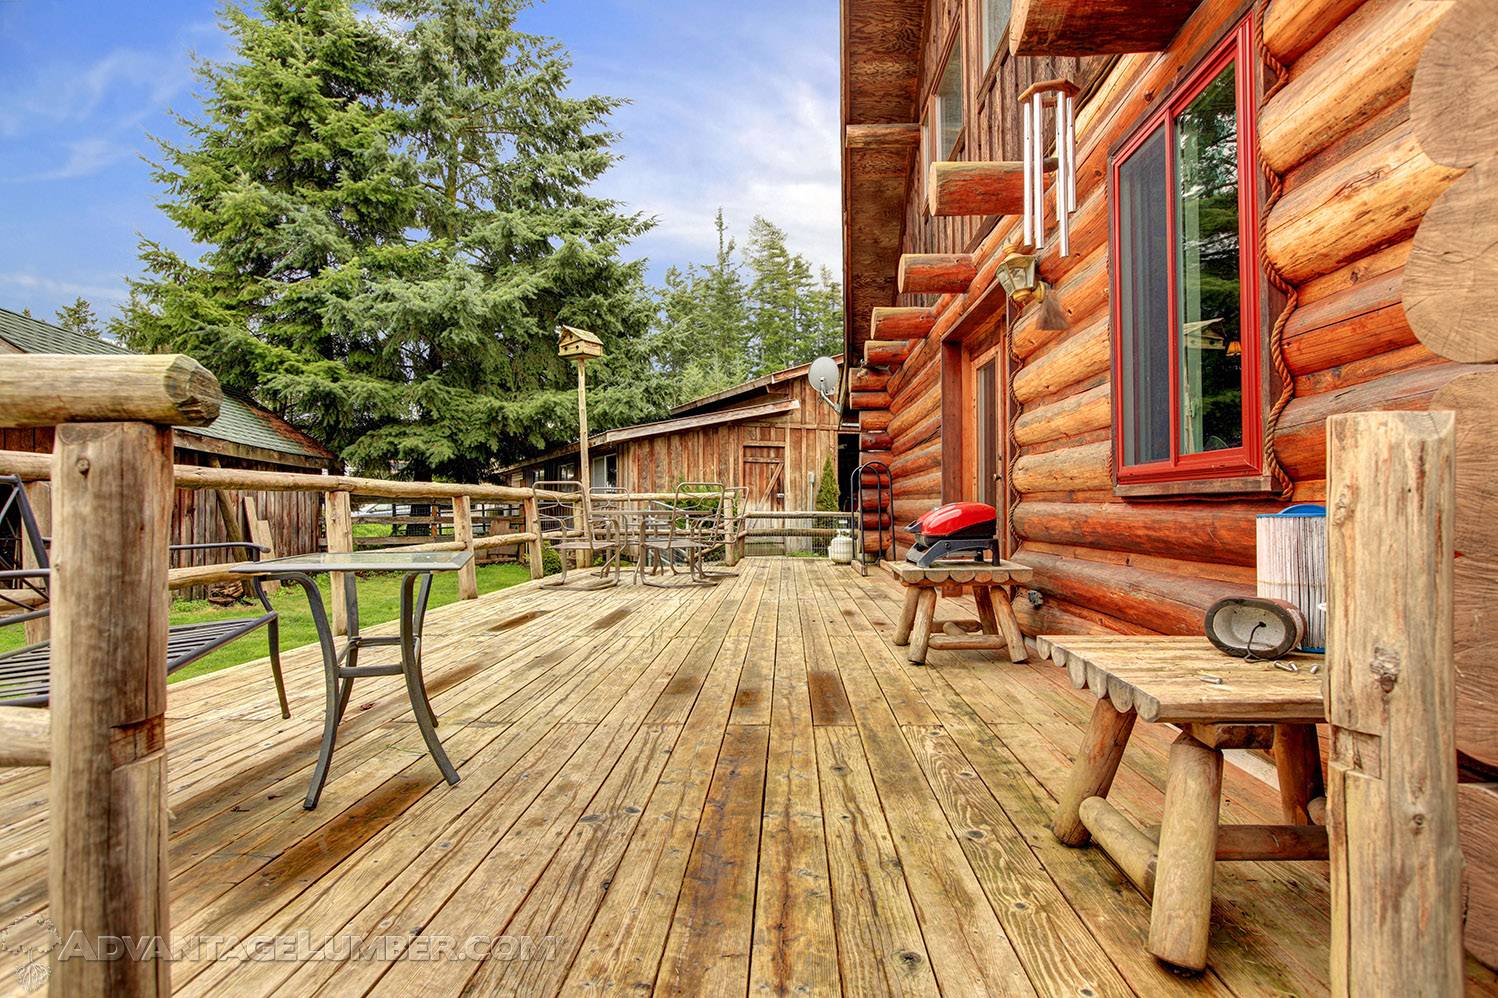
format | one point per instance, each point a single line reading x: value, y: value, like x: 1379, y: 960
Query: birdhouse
x: 579, y: 343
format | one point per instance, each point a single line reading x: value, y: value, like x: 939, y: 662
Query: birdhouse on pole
x: 579, y: 343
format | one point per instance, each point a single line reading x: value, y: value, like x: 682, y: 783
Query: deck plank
x: 742, y: 789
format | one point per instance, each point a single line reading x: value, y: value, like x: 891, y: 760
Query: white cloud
x: 54, y: 289
x: 755, y: 132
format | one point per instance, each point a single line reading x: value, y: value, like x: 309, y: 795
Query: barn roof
x: 238, y: 421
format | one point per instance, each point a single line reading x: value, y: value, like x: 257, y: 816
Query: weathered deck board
x: 739, y: 789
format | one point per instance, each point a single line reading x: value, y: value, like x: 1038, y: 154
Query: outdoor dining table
x: 341, y: 663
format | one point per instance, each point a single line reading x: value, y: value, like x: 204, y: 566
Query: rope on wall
x: 1274, y: 186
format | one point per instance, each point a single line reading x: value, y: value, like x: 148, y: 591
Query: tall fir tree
x: 79, y: 317
x: 397, y: 217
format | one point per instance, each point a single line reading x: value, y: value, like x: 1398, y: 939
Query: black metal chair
x: 25, y: 673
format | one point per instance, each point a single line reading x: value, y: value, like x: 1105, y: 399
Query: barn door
x: 763, y: 475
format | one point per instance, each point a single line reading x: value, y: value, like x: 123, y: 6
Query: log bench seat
x: 1218, y: 702
x: 996, y: 629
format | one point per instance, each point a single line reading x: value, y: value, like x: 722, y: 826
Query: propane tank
x: 840, y: 548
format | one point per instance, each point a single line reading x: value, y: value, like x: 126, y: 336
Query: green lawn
x: 379, y: 601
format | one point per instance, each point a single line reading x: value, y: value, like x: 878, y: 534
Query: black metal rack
x: 883, y: 484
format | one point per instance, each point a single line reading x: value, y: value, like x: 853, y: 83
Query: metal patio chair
x: 570, y: 524
x: 25, y: 673
x: 679, y: 535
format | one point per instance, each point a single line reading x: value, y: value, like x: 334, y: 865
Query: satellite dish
x: 823, y: 376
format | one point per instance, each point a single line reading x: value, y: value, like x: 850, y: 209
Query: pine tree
x: 397, y: 217
x: 79, y: 317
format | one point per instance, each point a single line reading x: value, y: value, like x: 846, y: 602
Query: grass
x: 379, y: 601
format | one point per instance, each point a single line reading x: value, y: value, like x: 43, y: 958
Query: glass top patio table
x: 359, y: 561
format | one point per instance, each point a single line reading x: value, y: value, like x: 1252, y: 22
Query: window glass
x: 1144, y: 302
x: 995, y: 27
x: 1211, y: 358
x: 949, y: 103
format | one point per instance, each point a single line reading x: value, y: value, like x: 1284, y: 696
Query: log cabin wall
x: 790, y: 449
x: 1356, y: 184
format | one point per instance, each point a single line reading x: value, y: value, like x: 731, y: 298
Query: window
x: 1186, y: 344
x: 995, y: 28
x: 949, y: 104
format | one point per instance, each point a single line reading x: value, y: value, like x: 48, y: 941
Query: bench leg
x: 907, y: 615
x: 1093, y: 771
x: 1297, y: 760
x: 1000, y: 619
x: 920, y: 634
x: 1181, y: 916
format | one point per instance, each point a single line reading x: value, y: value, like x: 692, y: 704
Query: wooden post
x: 112, y: 499
x: 339, y: 518
x: 1181, y: 913
x: 533, y: 528
x: 1092, y: 774
x: 1396, y: 864
x: 261, y: 533
x: 39, y: 495
x: 468, y: 579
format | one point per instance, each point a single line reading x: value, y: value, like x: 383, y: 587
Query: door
x: 990, y: 439
x: 763, y: 474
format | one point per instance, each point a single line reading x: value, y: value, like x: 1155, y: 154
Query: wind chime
x: 1061, y: 94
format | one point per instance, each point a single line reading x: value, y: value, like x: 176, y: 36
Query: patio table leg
x: 336, y: 697
x: 1181, y: 915
x: 1093, y: 771
x: 907, y: 615
x: 411, y: 668
x: 920, y: 634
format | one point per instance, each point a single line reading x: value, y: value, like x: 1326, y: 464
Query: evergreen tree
x: 397, y: 218
x: 79, y: 317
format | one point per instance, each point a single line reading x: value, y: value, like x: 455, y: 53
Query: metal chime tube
x: 1063, y: 170
x: 1038, y: 149
x: 1028, y: 163
x: 1071, y: 153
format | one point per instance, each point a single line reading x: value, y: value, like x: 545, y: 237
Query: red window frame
x: 1247, y: 459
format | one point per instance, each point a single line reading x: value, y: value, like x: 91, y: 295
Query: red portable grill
x: 956, y: 530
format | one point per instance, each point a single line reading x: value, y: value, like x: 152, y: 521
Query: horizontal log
x: 935, y: 273
x: 900, y: 323
x: 1057, y: 616
x: 789, y: 532
x: 864, y: 380
x: 886, y: 353
x: 1079, y: 413
x: 1373, y: 197
x: 1221, y: 533
x: 901, y: 135
x: 1160, y: 601
x: 1081, y: 296
x: 917, y: 435
x: 795, y: 514
x: 1131, y: 850
x: 878, y: 440
x: 1362, y: 66
x: 48, y: 389
x: 1353, y: 322
x: 25, y: 737
x: 873, y: 420
x: 1094, y: 27
x: 918, y: 459
x: 1084, y: 354
x: 913, y: 385
x: 868, y: 400
x: 1071, y: 469
x: 1293, y: 27
x: 1300, y: 442
x: 976, y: 188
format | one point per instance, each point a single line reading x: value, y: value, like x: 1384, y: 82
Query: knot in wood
x: 1385, y: 667
x: 82, y: 465
x: 1343, y: 507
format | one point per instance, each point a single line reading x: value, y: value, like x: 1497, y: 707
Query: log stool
x: 996, y: 629
x: 1219, y: 702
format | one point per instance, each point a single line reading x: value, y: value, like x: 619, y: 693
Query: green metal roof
x: 238, y: 422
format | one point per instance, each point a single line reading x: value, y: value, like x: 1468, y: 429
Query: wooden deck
x: 741, y: 789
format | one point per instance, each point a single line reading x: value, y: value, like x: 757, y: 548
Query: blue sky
x: 734, y: 104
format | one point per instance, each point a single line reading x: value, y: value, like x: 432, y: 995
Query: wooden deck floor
x: 741, y: 789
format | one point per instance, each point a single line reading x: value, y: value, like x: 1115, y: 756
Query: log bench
x: 1218, y: 702
x: 996, y: 629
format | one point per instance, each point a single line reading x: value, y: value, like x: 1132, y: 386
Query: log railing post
x: 533, y: 528
x: 1396, y: 865
x: 339, y: 519
x: 39, y: 494
x: 112, y: 504
x: 468, y: 578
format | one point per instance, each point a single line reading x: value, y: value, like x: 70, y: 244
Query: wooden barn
x: 772, y: 435
x: 243, y: 436
x: 1284, y: 211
